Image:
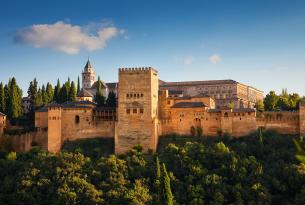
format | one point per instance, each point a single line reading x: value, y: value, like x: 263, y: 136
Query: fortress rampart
x: 144, y: 112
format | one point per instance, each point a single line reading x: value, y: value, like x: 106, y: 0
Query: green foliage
x: 199, y: 131
x: 14, y: 100
x: 99, y: 98
x: 284, y: 101
x: 300, y: 144
x: 260, y: 106
x: 78, y: 85
x: 2, y: 98
x: 270, y: 101
x: 72, y: 92
x: 202, y: 171
x: 111, y: 99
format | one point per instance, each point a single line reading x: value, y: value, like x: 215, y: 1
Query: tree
x: 78, y: 86
x: 166, y: 192
x: 44, y: 95
x: 111, y: 100
x: 72, y: 92
x: 57, y: 89
x: 49, y: 93
x: 15, y: 104
x: 2, y: 98
x: 64, y: 93
x: 300, y: 144
x: 283, y: 103
x: 158, y: 181
x: 99, y: 98
x: 32, y: 90
x: 259, y: 105
x: 270, y: 101
x: 39, y: 98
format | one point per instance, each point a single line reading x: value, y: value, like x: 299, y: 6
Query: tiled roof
x: 2, y: 114
x: 112, y: 86
x: 191, y: 83
x: 84, y: 93
x: 214, y: 110
x: 79, y: 104
x: 94, y: 86
x: 175, y: 92
x: 188, y: 105
x: 43, y: 109
x: 54, y: 104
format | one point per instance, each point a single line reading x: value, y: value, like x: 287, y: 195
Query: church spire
x: 88, y: 66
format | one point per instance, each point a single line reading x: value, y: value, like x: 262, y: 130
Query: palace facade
x: 148, y: 108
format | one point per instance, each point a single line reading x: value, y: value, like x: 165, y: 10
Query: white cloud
x: 66, y: 37
x: 215, y: 59
x: 188, y: 60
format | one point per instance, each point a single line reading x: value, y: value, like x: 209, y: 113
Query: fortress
x: 148, y: 108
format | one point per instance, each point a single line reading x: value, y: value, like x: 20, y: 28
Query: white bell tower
x: 88, y: 76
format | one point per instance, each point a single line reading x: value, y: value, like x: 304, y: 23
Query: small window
x: 134, y: 95
x: 138, y: 95
x: 54, y: 118
x: 134, y: 110
x: 168, y: 102
x: 127, y: 95
x: 141, y: 110
x: 77, y: 119
x: 128, y: 111
x: 141, y: 94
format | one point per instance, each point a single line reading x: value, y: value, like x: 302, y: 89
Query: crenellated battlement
x: 136, y: 69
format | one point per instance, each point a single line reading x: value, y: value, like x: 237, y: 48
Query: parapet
x: 136, y: 69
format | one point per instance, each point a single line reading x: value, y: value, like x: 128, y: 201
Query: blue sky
x: 257, y: 42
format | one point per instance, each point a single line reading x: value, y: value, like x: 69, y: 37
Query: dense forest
x: 258, y: 169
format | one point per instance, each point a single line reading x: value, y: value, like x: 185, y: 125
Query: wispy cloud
x: 68, y: 38
x: 188, y: 60
x: 215, y: 59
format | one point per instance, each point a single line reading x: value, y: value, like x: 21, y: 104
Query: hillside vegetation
x: 257, y: 169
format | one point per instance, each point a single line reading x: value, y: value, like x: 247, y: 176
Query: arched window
x: 77, y: 119
x: 226, y: 114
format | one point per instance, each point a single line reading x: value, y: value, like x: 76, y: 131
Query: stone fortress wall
x: 146, y: 111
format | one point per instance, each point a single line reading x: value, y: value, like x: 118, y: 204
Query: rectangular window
x: 141, y: 110
x: 128, y: 111
x: 134, y: 110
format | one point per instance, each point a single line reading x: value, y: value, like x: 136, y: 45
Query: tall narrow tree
x: 78, y: 86
x: 111, y: 99
x: 33, y: 89
x: 2, y: 98
x: 15, y: 96
x: 72, y: 92
x: 166, y: 192
x: 49, y: 93
x: 56, y: 96
x: 99, y: 98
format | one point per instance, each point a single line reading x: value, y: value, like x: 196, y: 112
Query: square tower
x: 137, y: 109
x: 302, y: 118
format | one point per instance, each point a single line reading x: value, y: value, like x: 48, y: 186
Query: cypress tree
x: 44, y: 97
x: 111, y: 100
x: 78, y: 85
x: 64, y: 93
x: 6, y: 98
x: 39, y: 98
x: 166, y: 193
x: 158, y: 181
x: 56, y: 96
x: 99, y: 98
x: 72, y: 92
x: 15, y: 96
x: 49, y: 93
x: 2, y: 98
x: 33, y: 89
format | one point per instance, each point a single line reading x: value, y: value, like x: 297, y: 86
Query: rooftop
x: 189, y: 105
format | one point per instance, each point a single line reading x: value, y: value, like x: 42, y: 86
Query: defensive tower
x: 137, y: 109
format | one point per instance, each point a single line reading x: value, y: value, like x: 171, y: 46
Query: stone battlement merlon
x: 136, y: 69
